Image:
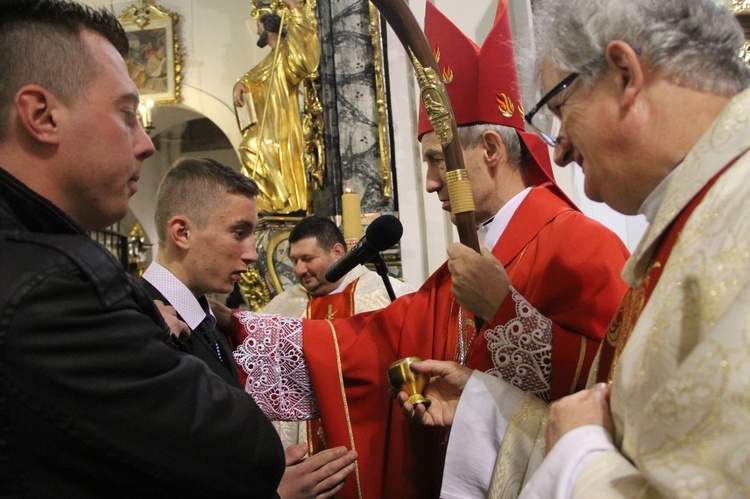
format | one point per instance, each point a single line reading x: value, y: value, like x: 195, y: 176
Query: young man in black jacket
x: 93, y: 402
x: 205, y: 217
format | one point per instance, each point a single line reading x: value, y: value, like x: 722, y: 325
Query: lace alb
x: 277, y: 375
x: 521, y: 349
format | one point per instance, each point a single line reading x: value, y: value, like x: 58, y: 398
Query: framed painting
x: 154, y: 61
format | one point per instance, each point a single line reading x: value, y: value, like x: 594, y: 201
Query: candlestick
x: 352, y: 215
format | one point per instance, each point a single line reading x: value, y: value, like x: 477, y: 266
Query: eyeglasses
x: 544, y: 129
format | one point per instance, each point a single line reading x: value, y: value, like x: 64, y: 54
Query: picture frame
x: 154, y: 60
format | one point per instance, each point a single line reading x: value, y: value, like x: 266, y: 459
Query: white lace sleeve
x: 277, y: 376
x: 521, y: 349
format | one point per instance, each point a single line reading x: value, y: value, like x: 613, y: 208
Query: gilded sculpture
x: 273, y: 147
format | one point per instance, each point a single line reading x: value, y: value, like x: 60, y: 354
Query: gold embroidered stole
x: 335, y: 306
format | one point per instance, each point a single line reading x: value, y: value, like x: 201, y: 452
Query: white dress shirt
x: 178, y: 295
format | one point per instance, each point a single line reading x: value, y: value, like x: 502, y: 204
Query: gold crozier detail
x: 434, y: 100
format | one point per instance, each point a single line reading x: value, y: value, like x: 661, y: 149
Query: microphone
x: 381, y: 234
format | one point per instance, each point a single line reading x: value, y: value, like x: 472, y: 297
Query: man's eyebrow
x: 300, y: 257
x: 432, y: 154
x: 130, y: 98
x: 243, y: 223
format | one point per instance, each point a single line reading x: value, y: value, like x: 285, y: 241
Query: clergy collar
x: 651, y: 204
x: 491, y: 230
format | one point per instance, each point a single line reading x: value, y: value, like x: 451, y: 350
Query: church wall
x: 218, y: 38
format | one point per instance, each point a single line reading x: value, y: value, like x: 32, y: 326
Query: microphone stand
x: 382, y: 269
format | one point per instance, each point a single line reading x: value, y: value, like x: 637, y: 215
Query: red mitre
x: 482, y: 84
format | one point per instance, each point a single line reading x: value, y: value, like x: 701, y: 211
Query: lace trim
x: 277, y: 376
x: 521, y: 349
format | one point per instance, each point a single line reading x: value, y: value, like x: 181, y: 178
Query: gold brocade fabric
x: 522, y: 450
x: 272, y: 149
x: 681, y: 387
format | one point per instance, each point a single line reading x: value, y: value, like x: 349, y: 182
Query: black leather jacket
x: 93, y: 403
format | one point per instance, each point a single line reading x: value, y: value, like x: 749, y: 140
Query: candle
x: 149, y: 105
x: 352, y: 215
x: 145, y: 111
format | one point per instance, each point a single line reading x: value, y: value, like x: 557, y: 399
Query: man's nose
x: 250, y: 255
x: 300, y: 268
x: 433, y: 181
x: 143, y: 146
x: 563, y: 153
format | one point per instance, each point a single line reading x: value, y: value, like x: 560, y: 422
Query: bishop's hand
x: 443, y: 391
x: 480, y: 283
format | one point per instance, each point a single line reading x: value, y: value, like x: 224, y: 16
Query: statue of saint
x: 272, y: 147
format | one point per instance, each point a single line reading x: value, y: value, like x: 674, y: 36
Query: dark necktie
x: 208, y: 329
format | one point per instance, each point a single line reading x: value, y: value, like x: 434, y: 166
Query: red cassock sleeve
x: 348, y: 360
x: 578, y: 289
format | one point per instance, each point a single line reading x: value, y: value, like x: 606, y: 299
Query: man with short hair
x: 93, y: 402
x: 315, y: 244
x: 545, y: 302
x: 205, y: 216
x: 652, y: 100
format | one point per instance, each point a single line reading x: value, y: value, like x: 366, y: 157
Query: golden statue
x: 273, y: 144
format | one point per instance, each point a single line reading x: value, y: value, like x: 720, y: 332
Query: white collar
x: 652, y: 202
x: 178, y: 295
x: 352, y: 275
x: 490, y: 231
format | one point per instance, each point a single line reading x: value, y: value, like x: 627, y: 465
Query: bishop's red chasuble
x: 564, y: 264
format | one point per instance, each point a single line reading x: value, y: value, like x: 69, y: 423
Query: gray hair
x: 470, y: 135
x: 695, y: 42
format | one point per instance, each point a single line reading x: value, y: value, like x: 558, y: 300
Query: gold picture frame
x: 155, y: 60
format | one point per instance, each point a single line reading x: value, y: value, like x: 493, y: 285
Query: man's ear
x: 494, y: 152
x: 623, y: 61
x: 37, y: 110
x: 178, y: 231
x: 338, y: 250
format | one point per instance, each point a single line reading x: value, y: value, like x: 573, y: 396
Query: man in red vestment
x: 535, y: 275
x: 315, y: 244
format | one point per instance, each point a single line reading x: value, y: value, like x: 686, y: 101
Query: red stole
x: 333, y: 306
x: 327, y: 307
x: 636, y: 299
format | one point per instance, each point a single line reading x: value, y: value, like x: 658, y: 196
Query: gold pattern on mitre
x: 447, y: 75
x: 436, y: 54
x: 505, y: 105
x: 434, y: 100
